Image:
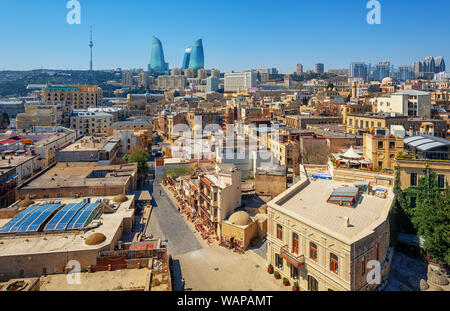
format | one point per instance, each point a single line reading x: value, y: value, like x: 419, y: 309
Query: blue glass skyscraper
x: 157, y: 63
x: 197, y: 58
x: 186, y: 59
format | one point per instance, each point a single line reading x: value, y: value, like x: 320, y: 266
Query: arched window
x: 295, y: 243
x: 313, y: 285
x: 313, y: 251
x: 279, y: 232
x: 334, y: 263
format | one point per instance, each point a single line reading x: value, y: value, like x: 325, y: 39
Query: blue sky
x: 237, y: 34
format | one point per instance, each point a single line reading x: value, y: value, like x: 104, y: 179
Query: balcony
x: 293, y: 259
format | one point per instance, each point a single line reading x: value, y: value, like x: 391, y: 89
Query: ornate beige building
x: 327, y: 235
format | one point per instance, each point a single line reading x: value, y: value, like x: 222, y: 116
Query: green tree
x: 431, y: 216
x: 140, y: 157
x: 177, y: 171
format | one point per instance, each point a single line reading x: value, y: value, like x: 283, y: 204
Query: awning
x: 295, y: 261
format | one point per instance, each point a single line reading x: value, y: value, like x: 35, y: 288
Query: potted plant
x: 285, y: 282
x: 295, y: 288
x: 277, y: 275
x: 270, y: 269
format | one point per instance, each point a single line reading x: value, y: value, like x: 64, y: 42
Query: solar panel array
x: 18, y: 218
x: 71, y: 216
x: 64, y: 216
x: 80, y: 220
x: 345, y: 192
x: 343, y: 195
x: 31, y: 219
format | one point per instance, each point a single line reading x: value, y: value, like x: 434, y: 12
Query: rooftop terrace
x: 307, y: 202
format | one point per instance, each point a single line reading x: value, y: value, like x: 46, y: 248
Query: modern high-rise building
x: 440, y: 64
x: 240, y: 81
x: 186, y: 58
x: 215, y: 73
x: 202, y: 73
x: 212, y: 84
x: 405, y: 73
x: 157, y: 62
x: 382, y: 70
x: 299, y: 69
x: 194, y: 57
x: 127, y: 78
x: 359, y: 70
x: 429, y: 65
x: 189, y: 73
x: 320, y: 68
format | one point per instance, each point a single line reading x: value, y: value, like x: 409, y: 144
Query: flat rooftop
x: 83, y: 174
x: 13, y: 161
x: 119, y: 280
x: 89, y: 143
x: 307, y: 202
x: 42, y: 242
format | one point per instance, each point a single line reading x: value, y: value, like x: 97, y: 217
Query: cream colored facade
x: 411, y: 170
x: 359, y: 123
x: 219, y: 195
x: 39, y: 114
x: 75, y: 96
x: 408, y: 103
x: 318, y: 247
x: 381, y: 150
x: 91, y: 123
x: 171, y: 82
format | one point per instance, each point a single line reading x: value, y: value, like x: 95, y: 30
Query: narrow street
x: 207, y: 268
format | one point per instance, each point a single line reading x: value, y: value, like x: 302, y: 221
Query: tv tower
x: 91, y: 45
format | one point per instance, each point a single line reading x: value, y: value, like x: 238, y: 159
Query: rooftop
x: 41, y: 243
x: 88, y: 143
x: 307, y: 202
x: 83, y: 174
x: 137, y: 122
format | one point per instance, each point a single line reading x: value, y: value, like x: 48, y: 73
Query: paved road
x: 167, y: 223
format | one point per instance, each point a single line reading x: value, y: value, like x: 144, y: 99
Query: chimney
x: 347, y: 222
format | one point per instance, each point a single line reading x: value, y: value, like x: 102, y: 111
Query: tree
x: 140, y: 157
x: 4, y: 121
x: 177, y: 171
x: 315, y: 151
x: 431, y: 216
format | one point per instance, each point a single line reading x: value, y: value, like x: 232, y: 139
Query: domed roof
x: 197, y: 127
x: 26, y: 203
x: 95, y: 239
x: 240, y: 218
x: 386, y: 81
x: 120, y: 198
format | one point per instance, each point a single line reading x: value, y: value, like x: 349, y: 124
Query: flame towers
x: 157, y: 62
x: 194, y: 57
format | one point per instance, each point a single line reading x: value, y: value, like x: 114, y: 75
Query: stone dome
x: 26, y: 203
x: 197, y: 128
x: 240, y: 218
x: 95, y: 239
x: 120, y: 198
x: 386, y: 81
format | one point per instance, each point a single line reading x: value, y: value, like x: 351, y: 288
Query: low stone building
x: 78, y: 179
x: 270, y: 181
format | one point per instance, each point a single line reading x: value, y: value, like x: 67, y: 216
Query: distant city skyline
x: 240, y: 36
